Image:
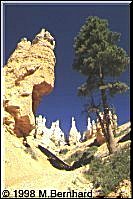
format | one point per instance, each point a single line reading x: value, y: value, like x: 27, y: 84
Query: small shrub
x: 74, y: 157
x: 93, y: 149
x: 63, y: 151
x: 78, y: 154
x: 30, y: 152
x: 110, y: 172
x: 123, y: 132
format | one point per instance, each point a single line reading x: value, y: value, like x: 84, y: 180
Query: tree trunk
x: 106, y: 125
x: 106, y: 122
x: 111, y: 144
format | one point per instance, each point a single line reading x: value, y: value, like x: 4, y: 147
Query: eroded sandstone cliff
x: 28, y: 75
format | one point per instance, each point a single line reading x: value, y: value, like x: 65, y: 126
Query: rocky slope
x: 29, y: 74
x: 28, y: 168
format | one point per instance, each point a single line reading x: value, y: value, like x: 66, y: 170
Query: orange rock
x: 29, y: 74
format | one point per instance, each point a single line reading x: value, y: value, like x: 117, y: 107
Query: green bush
x: 123, y: 132
x: 109, y: 173
x: 74, y: 157
x: 93, y: 149
x: 63, y: 151
x: 78, y: 154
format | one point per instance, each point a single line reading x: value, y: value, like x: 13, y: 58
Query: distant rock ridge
x: 56, y: 135
x: 28, y: 75
x: 51, y: 137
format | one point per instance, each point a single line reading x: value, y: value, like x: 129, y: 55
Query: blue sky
x: 64, y: 22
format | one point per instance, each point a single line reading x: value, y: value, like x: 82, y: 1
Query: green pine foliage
x: 97, y: 51
x: 101, y: 60
x: 109, y: 173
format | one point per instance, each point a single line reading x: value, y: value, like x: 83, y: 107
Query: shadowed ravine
x: 59, y: 164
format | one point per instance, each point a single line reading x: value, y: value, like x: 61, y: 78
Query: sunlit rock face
x: 51, y: 137
x: 28, y: 75
x: 57, y: 135
x: 74, y: 135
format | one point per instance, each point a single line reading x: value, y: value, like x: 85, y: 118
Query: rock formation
x: 88, y: 133
x: 91, y: 130
x: 52, y: 136
x: 29, y: 74
x: 89, y: 125
x: 122, y: 191
x: 74, y: 135
x: 40, y: 123
x: 57, y: 134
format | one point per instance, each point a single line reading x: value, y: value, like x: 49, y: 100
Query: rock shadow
x: 125, y: 138
x: 94, y: 143
x: 60, y: 164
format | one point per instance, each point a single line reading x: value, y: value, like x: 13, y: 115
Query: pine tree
x: 98, y: 57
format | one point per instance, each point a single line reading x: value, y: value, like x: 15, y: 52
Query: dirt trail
x: 30, y: 169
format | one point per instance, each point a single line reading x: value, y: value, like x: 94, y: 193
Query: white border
x: 68, y: 2
x: 2, y: 56
x: 2, y: 92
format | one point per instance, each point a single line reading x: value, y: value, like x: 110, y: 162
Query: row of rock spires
x: 28, y: 75
x: 55, y: 135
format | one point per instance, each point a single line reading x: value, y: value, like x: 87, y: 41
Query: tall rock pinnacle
x: 29, y: 74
